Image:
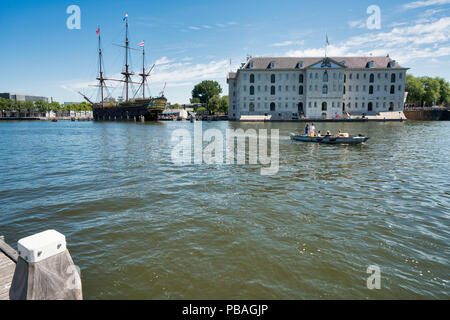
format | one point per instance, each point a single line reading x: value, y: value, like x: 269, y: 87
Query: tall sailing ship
x: 143, y: 107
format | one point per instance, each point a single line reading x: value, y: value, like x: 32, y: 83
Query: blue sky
x: 194, y: 40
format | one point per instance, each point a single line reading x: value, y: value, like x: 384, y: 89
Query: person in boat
x: 341, y: 134
x: 307, y: 130
x: 312, y: 130
x: 328, y: 133
x: 319, y: 134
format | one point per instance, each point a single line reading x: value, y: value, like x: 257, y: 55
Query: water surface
x: 140, y: 227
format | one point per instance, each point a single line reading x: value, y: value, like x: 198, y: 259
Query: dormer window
x: 343, y: 62
x: 250, y: 65
x: 370, y: 64
x: 299, y: 65
x: 391, y: 64
x: 272, y: 65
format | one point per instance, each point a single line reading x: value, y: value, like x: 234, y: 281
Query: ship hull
x: 128, y: 111
x: 124, y: 114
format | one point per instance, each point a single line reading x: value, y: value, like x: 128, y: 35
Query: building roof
x: 284, y: 63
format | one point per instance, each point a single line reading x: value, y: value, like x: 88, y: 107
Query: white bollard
x: 45, y: 269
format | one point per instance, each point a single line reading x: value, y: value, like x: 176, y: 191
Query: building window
x: 392, y: 89
x: 372, y: 78
x: 245, y: 88
x: 300, y: 90
x: 345, y: 78
x: 300, y: 78
x: 279, y: 88
x: 316, y: 76
x: 325, y: 76
x: 272, y: 78
x: 391, y: 106
x: 272, y: 65
x: 325, y: 89
x: 252, y: 90
x: 324, y: 106
x: 393, y: 78
x: 370, y: 89
x: 287, y: 88
x: 251, y: 107
x: 272, y: 106
x: 400, y: 76
x: 272, y: 90
x: 252, y: 78
x: 370, y: 106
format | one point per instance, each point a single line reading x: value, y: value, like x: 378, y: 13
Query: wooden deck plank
x: 7, y: 267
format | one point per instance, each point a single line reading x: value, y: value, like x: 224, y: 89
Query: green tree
x: 214, y: 104
x: 195, y: 100
x: 431, y: 87
x: 444, y: 91
x: 41, y: 106
x: 176, y: 106
x: 415, y: 89
x: 224, y: 104
x: 205, y: 90
x: 5, y: 104
x: 55, y: 106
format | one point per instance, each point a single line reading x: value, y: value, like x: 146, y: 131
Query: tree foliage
x: 41, y: 106
x: 205, y: 90
x: 427, y: 91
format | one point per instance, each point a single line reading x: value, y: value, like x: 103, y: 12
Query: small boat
x: 54, y: 120
x: 330, y: 139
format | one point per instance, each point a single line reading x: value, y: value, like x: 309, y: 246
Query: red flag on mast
x: 98, y: 30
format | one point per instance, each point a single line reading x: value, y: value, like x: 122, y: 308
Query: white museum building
x: 316, y: 88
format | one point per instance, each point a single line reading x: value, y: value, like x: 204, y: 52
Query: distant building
x: 22, y: 97
x: 316, y: 88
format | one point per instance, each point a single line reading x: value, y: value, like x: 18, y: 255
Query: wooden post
x: 45, y: 270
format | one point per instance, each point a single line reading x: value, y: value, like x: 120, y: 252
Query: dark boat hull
x: 330, y: 140
x: 128, y: 111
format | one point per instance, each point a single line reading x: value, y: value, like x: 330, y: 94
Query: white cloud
x: 423, y: 40
x: 287, y: 43
x: 164, y: 60
x: 186, y: 72
x: 425, y: 3
x: 357, y: 24
x: 194, y: 28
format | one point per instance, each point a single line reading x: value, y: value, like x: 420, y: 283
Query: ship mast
x: 100, y: 78
x: 144, y: 74
x: 127, y: 73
